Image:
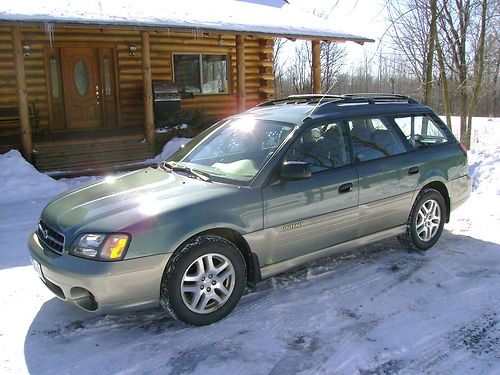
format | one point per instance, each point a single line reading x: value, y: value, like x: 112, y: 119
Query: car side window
x: 372, y: 139
x: 421, y: 130
x: 322, y: 147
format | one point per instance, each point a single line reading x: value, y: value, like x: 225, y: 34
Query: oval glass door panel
x: 81, y: 74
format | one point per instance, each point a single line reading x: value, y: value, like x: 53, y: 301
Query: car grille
x: 49, y: 238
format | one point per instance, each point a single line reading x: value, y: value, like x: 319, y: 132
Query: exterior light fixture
x: 26, y: 48
x: 132, y: 49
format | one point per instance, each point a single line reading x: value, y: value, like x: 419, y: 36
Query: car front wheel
x: 204, y: 281
x: 426, y: 221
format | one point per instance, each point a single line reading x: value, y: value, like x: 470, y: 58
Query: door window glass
x: 107, y: 76
x: 81, y: 77
x: 54, y: 77
x: 421, y: 131
x: 372, y: 139
x: 323, y: 147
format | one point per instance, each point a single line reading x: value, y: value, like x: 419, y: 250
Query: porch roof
x: 197, y: 15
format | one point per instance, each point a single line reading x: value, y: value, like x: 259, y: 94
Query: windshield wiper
x: 179, y: 168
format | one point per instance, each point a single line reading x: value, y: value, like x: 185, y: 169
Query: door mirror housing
x: 295, y: 170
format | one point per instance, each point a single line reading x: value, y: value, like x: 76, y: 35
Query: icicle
x: 49, y: 31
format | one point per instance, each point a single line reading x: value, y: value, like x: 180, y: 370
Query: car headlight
x: 107, y: 247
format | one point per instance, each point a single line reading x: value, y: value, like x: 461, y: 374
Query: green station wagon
x: 259, y: 193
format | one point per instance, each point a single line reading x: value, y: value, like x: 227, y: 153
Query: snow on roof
x: 213, y: 15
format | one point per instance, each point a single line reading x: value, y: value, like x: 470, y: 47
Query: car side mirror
x: 295, y: 170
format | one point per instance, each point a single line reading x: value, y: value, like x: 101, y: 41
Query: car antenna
x: 324, y: 95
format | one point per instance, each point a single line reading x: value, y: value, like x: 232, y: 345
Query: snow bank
x: 484, y: 155
x: 484, y: 168
x: 19, y: 180
x: 169, y: 148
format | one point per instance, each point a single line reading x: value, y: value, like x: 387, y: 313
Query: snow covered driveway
x: 377, y: 310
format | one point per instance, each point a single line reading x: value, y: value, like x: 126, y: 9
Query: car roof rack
x: 370, y: 98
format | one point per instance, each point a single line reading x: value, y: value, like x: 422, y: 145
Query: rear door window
x: 421, y: 130
x: 373, y: 139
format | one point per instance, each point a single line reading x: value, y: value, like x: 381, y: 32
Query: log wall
x: 258, y: 59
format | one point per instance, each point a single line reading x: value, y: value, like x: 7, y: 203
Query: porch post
x: 240, y: 68
x: 149, y: 125
x: 22, y: 96
x: 316, y: 67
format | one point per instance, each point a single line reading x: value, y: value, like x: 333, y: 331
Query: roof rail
x: 304, y: 98
x: 370, y: 98
x: 380, y: 97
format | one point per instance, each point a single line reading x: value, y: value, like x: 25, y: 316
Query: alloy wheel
x: 428, y: 220
x: 207, y: 283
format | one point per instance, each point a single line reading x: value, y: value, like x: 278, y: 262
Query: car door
x: 308, y: 215
x: 388, y: 175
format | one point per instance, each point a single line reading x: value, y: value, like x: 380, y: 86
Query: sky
x: 360, y: 17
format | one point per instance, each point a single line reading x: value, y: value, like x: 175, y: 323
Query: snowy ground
x: 377, y: 310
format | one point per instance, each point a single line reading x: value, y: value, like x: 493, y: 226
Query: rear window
x: 421, y: 130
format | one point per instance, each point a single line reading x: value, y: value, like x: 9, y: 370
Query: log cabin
x: 76, y: 79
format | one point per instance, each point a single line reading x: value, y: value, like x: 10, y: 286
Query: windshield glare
x: 234, y: 150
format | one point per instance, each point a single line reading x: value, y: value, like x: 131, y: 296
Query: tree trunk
x: 444, y: 79
x: 494, y: 97
x: 430, y: 54
x: 478, y: 68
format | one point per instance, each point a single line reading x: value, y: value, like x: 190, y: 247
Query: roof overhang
x: 225, y: 16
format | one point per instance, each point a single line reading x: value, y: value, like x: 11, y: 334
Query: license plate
x: 37, y: 267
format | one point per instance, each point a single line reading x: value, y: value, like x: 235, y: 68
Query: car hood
x: 115, y: 204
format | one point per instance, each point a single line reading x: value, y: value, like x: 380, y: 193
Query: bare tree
x: 463, y: 27
x: 409, y: 33
x: 278, y: 64
x: 332, y: 58
x: 430, y: 52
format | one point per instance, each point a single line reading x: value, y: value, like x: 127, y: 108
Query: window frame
x: 200, y: 73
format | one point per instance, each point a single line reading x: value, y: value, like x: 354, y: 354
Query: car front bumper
x: 102, y: 287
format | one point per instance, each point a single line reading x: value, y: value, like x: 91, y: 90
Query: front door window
x: 323, y: 147
x: 81, y: 79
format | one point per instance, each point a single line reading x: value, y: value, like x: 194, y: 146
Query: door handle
x: 413, y: 170
x: 345, y: 188
x: 97, y: 94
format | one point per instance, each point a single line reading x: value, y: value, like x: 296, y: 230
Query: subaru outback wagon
x: 259, y: 193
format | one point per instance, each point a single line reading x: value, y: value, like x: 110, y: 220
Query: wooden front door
x: 82, y: 82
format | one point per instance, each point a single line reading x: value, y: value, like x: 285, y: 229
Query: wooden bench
x: 9, y: 118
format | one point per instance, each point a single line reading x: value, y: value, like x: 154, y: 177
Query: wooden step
x: 94, y: 158
x: 95, y: 139
x: 106, y: 153
x: 69, y: 151
x: 123, y: 161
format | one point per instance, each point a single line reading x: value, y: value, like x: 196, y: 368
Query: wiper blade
x: 179, y: 168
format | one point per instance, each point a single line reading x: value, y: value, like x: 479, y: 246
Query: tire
x: 204, y: 281
x: 424, y: 229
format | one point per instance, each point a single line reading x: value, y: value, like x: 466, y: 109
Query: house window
x: 201, y: 73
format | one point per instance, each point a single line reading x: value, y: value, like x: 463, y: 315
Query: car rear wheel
x: 426, y: 221
x: 204, y: 281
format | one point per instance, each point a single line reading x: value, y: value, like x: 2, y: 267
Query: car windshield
x: 234, y: 150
